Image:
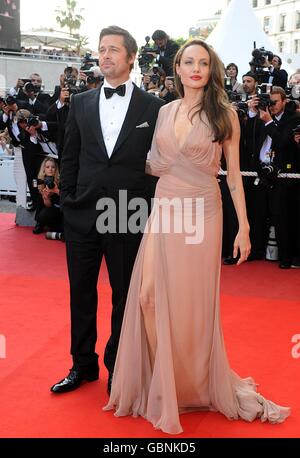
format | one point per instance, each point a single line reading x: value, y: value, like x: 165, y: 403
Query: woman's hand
x: 242, y: 244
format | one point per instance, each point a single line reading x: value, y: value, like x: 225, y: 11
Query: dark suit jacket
x: 166, y: 61
x: 283, y: 144
x: 87, y: 172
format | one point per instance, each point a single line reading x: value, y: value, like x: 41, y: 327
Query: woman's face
x: 49, y: 169
x: 231, y: 71
x: 194, y: 67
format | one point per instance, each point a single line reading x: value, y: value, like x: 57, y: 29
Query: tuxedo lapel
x: 94, y: 115
x: 137, y: 106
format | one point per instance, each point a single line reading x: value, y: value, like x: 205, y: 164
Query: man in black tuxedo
x: 33, y: 95
x: 108, y: 135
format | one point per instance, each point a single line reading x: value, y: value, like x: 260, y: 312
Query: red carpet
x: 260, y: 314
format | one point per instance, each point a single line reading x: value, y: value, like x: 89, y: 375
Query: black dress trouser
x: 84, y: 259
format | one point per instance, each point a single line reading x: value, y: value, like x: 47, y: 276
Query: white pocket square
x: 145, y: 124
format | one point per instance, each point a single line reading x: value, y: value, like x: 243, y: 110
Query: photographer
x: 166, y: 51
x: 69, y: 77
x: 274, y: 150
x: 91, y: 79
x: 280, y: 75
x: 30, y: 91
x: 262, y: 65
x: 48, y: 208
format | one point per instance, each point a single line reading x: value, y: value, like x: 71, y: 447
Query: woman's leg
x: 147, y: 296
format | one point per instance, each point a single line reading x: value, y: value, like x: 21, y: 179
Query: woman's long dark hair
x: 215, y: 102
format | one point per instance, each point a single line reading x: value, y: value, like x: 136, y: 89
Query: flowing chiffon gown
x: 189, y: 369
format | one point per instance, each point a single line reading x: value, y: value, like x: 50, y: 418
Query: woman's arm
x: 235, y: 184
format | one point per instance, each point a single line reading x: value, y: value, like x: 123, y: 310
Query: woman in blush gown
x: 171, y: 357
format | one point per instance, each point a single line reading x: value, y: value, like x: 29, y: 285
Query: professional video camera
x: 263, y: 93
x: 88, y: 61
x: 260, y: 63
x: 47, y: 181
x: 146, y: 58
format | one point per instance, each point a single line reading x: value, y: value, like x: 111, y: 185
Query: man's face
x: 280, y: 104
x: 161, y: 43
x: 113, y: 59
x: 36, y: 80
x: 249, y: 84
x: 275, y: 62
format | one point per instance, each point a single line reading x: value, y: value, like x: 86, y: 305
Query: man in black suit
x: 167, y: 50
x: 108, y: 135
x: 33, y: 94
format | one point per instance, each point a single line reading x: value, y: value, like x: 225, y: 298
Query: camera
x: 10, y: 100
x: 261, y: 60
x: 33, y: 121
x: 227, y: 84
x: 88, y: 61
x: 296, y: 130
x: 55, y: 236
x: 70, y: 83
x: 268, y: 174
x: 47, y: 181
x: 29, y: 87
x: 145, y: 58
x: 263, y: 93
x: 25, y: 80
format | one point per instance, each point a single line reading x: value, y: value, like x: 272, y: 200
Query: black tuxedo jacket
x: 87, y: 172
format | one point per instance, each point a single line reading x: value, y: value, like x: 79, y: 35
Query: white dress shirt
x: 265, y: 152
x: 112, y: 114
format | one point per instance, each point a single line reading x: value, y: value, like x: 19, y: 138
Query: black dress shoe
x: 109, y: 382
x: 284, y: 265
x: 230, y: 261
x: 74, y: 380
x: 38, y: 229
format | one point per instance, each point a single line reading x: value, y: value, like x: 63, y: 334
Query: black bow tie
x: 120, y: 90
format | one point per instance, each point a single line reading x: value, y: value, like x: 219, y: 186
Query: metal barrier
x: 8, y: 185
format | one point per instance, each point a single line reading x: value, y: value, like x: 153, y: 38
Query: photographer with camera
x: 48, y: 207
x: 30, y: 90
x: 166, y: 51
x: 70, y: 76
x: 267, y: 68
x: 273, y: 150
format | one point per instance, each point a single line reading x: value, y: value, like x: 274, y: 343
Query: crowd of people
x: 48, y: 53
x: 271, y: 202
